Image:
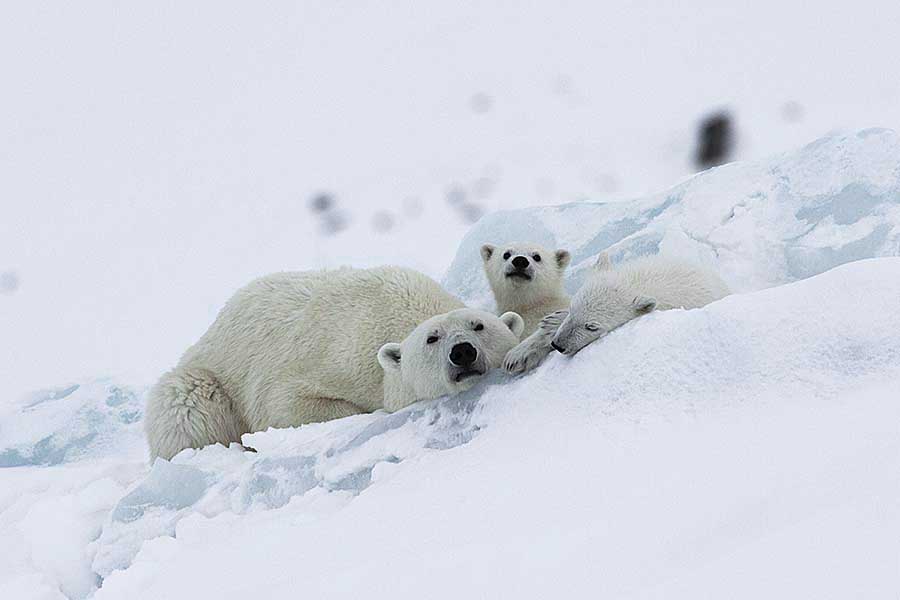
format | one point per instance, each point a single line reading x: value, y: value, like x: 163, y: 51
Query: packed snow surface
x: 746, y: 449
x: 685, y: 438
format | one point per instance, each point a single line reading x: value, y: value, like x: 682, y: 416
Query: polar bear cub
x: 612, y: 296
x: 527, y: 279
x: 295, y: 348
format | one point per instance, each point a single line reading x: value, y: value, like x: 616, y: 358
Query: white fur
x: 532, y: 351
x: 535, y: 298
x: 612, y: 296
x: 295, y: 348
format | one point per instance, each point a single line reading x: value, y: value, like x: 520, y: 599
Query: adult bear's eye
x: 537, y: 258
x: 479, y: 327
x: 506, y: 255
x: 591, y: 327
x: 431, y: 339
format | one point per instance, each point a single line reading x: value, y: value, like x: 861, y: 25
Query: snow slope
x: 156, y: 156
x: 746, y: 449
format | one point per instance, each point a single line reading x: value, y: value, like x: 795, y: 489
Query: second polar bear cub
x: 612, y: 296
x: 526, y: 279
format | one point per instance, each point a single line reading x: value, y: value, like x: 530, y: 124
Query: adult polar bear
x: 295, y: 348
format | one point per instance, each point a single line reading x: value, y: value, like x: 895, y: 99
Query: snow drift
x: 684, y: 437
x: 683, y: 455
x: 759, y: 223
x: 73, y: 422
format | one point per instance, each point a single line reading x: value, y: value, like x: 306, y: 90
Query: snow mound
x: 542, y: 449
x: 338, y: 456
x: 800, y: 350
x: 74, y: 422
x: 758, y: 223
x: 815, y: 339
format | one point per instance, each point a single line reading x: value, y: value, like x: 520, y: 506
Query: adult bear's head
x: 446, y: 354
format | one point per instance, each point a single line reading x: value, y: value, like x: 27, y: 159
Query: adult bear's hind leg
x: 188, y: 408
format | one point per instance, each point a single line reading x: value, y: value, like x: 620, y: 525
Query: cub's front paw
x: 523, y: 358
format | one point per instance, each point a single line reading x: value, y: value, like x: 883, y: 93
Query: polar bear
x: 303, y: 347
x: 610, y: 297
x: 526, y: 279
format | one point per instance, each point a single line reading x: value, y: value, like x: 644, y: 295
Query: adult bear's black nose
x: 463, y: 354
x: 558, y: 348
x: 520, y: 262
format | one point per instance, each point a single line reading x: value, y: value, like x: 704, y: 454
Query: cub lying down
x: 295, y: 348
x: 612, y: 296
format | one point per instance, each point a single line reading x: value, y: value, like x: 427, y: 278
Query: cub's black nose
x: 520, y: 262
x: 463, y: 354
x: 557, y: 348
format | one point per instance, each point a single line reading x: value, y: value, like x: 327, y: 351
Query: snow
x: 729, y: 451
x: 156, y: 157
x: 778, y: 416
x: 49, y: 427
x: 759, y: 224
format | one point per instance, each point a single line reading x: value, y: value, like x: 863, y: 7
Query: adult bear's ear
x: 514, y: 322
x: 487, y: 251
x: 644, y: 304
x: 562, y: 259
x: 389, y: 357
x: 603, y: 263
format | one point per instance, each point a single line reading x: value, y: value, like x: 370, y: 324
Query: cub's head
x: 524, y: 272
x: 603, y: 304
x: 448, y: 354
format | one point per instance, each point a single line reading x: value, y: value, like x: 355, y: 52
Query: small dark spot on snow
x: 481, y: 103
x: 456, y: 195
x: 382, y: 221
x: 9, y: 282
x: 715, y: 140
x: 321, y: 202
x: 792, y: 112
x: 471, y: 212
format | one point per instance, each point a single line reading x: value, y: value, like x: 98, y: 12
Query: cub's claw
x: 525, y: 357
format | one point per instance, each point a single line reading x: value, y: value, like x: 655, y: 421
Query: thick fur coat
x: 295, y: 348
x: 526, y: 279
x: 610, y: 297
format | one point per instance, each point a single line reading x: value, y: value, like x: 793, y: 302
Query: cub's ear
x: 563, y: 258
x: 603, y: 263
x: 487, y: 251
x: 644, y: 304
x: 514, y: 322
x: 389, y: 356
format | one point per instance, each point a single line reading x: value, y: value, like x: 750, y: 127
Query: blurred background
x: 154, y: 157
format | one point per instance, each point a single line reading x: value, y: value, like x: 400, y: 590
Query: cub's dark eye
x: 537, y: 258
x: 479, y: 326
x: 431, y: 339
x: 591, y: 327
x: 506, y: 255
